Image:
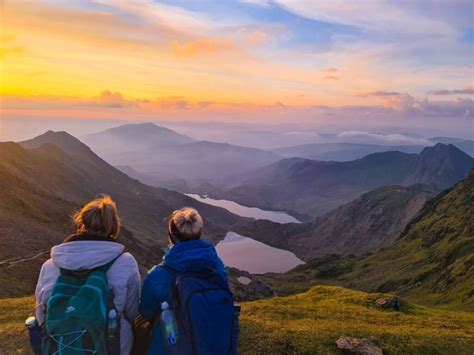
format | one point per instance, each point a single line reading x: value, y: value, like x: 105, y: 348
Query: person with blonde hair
x: 191, y: 282
x: 89, y: 269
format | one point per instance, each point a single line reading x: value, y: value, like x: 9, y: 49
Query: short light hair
x: 188, y: 222
x: 99, y: 217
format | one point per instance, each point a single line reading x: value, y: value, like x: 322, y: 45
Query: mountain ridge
x: 313, y: 188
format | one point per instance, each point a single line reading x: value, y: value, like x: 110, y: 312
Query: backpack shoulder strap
x: 107, y: 266
x: 85, y: 273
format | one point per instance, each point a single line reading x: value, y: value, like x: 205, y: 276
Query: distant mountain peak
x: 134, y: 137
x: 63, y: 140
x: 441, y: 166
x: 441, y: 148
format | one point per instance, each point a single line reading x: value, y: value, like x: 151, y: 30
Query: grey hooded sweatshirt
x: 123, y: 277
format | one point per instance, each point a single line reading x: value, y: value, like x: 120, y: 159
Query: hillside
x: 310, y: 323
x: 313, y: 188
x: 431, y: 263
x: 368, y: 223
x: 42, y: 187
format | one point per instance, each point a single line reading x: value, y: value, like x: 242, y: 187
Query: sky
x: 329, y: 66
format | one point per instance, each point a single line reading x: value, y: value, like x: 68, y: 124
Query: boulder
x: 389, y: 302
x: 352, y: 345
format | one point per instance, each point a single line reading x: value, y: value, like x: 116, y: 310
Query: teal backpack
x: 76, y: 321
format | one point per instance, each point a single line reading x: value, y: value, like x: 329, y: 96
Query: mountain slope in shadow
x: 368, y: 223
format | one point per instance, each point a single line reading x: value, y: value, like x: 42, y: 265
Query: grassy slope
x: 432, y: 263
x: 310, y: 323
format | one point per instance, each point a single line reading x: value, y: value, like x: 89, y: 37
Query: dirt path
x: 13, y: 261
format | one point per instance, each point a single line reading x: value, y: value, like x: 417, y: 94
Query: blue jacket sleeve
x: 221, y: 268
x: 155, y: 291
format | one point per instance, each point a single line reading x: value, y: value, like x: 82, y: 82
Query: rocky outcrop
x: 247, y: 287
x: 389, y: 302
x: 352, y: 345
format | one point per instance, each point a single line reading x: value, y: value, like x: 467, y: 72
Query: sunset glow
x: 239, y: 60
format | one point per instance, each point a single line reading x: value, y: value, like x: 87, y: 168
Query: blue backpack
x: 204, y: 307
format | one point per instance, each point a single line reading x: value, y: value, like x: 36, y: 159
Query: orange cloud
x: 256, y: 38
x: 201, y: 46
x: 330, y: 70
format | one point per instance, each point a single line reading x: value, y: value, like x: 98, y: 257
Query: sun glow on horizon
x: 109, y: 58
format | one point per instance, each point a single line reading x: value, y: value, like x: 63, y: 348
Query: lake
x: 248, y: 254
x: 244, y: 211
x: 253, y: 256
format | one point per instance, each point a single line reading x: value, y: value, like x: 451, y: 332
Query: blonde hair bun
x: 188, y: 222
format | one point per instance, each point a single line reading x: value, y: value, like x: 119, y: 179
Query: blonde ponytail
x: 98, y: 217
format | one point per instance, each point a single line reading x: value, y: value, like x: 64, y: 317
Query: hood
x: 193, y: 253
x: 85, y: 255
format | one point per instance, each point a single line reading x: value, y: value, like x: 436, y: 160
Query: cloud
x: 173, y: 17
x: 256, y: 38
x: 447, y: 108
x: 377, y: 138
x: 201, y: 47
x: 259, y: 3
x: 330, y: 70
x: 381, y: 93
x: 9, y: 47
x: 111, y: 99
x: 377, y: 16
x: 465, y: 91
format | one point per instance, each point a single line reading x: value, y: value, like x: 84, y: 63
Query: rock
x: 247, y: 287
x: 389, y: 303
x: 352, y: 345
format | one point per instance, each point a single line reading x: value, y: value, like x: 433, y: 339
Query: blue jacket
x: 156, y: 287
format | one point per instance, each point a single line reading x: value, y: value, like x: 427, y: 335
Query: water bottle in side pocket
x: 113, y: 332
x: 34, y: 334
x: 169, y: 326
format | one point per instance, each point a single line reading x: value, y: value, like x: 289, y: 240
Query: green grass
x: 13, y: 334
x: 310, y: 323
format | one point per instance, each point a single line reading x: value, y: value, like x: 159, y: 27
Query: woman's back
x: 87, y: 251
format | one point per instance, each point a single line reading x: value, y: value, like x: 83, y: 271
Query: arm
x: 155, y: 291
x: 46, y: 280
x: 133, y: 294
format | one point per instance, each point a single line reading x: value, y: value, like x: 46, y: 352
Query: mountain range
x: 162, y: 156
x: 312, y: 188
x: 341, y: 151
x: 344, y: 151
